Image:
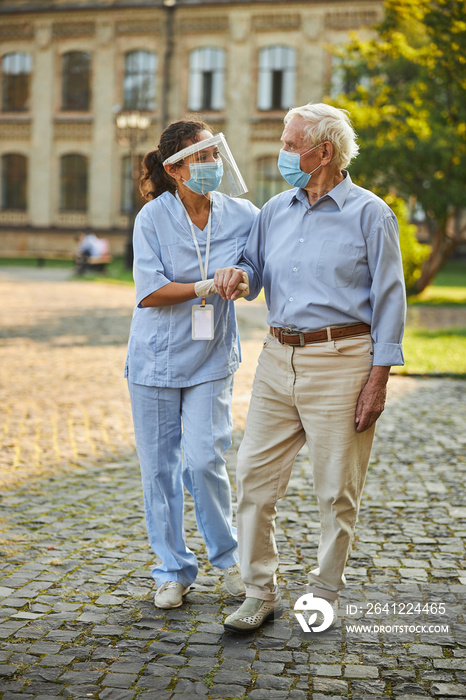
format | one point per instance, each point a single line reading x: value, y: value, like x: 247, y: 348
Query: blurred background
x: 88, y: 86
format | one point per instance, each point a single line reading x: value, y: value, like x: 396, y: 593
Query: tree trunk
x: 443, y: 246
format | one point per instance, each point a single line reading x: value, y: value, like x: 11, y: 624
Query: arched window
x: 73, y: 183
x: 16, y: 76
x: 277, y: 77
x: 139, y: 80
x: 206, y: 79
x: 14, y: 182
x: 76, y: 81
x: 269, y: 182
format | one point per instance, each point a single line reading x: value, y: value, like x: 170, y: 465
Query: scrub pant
x: 303, y: 394
x: 181, y: 438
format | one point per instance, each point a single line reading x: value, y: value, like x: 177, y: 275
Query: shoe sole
x: 245, y: 630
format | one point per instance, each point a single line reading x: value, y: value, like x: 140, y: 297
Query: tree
x: 408, y: 105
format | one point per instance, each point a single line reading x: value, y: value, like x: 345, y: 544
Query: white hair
x: 327, y: 123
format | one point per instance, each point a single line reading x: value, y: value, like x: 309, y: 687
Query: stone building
x: 70, y: 68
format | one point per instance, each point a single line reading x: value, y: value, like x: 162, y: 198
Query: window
x: 139, y: 80
x: 277, y: 73
x: 76, y: 84
x: 14, y: 182
x: 206, y: 79
x: 269, y: 182
x: 73, y: 183
x: 131, y: 198
x: 16, y: 72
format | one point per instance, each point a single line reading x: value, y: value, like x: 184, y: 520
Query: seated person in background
x: 91, y: 250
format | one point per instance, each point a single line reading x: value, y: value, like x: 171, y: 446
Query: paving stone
x: 76, y: 597
x: 117, y: 694
x: 448, y: 689
x: 119, y: 680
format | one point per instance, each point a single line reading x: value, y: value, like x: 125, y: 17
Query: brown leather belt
x: 286, y: 336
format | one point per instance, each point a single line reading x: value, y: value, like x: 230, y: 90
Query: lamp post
x: 132, y: 129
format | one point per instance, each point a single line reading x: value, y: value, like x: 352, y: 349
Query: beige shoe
x: 233, y: 581
x: 170, y: 594
x: 253, y: 613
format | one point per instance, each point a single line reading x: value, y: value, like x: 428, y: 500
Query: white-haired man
x: 327, y: 254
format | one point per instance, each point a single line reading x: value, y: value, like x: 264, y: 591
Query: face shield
x: 211, y: 167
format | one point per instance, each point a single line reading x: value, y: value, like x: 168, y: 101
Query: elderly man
x: 328, y: 256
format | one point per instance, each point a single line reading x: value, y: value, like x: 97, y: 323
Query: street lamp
x: 132, y: 129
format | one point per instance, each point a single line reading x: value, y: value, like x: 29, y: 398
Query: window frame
x: 20, y: 84
x: 71, y: 190
x: 15, y: 184
x: 277, y: 66
x: 150, y: 74
x: 70, y: 98
x: 206, y: 88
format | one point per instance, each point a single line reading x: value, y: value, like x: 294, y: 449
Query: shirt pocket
x: 170, y: 257
x: 337, y: 262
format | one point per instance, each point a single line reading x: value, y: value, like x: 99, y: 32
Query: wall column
x: 41, y: 158
x: 101, y: 171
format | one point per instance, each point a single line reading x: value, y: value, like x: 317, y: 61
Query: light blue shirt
x: 334, y: 263
x: 161, y: 351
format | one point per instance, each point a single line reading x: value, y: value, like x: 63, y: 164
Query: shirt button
x: 290, y: 299
x: 301, y: 240
x: 295, y: 269
x: 309, y: 211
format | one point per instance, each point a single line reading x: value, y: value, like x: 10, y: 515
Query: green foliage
x: 413, y: 253
x: 408, y: 104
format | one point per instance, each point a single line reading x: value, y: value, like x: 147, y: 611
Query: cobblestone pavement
x: 76, y: 617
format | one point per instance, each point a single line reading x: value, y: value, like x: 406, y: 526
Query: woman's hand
x: 205, y: 288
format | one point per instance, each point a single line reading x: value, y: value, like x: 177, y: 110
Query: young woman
x: 183, y: 352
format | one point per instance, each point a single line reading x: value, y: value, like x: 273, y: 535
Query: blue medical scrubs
x: 181, y: 388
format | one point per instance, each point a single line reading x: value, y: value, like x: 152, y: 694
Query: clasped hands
x: 229, y: 282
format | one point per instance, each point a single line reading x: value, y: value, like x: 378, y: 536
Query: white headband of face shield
x: 232, y: 181
x: 216, y: 140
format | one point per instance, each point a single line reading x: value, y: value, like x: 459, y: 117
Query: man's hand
x: 371, y: 401
x: 226, y: 280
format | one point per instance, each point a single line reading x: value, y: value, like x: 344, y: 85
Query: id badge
x: 203, y: 322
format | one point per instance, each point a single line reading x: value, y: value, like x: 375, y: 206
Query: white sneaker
x: 170, y: 594
x: 233, y: 581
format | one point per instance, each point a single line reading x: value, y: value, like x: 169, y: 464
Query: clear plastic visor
x: 212, y: 150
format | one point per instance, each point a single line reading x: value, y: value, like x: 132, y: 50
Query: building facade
x: 71, y: 70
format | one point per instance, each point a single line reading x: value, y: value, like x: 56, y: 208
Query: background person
x: 328, y: 256
x: 181, y: 387
x: 91, y: 247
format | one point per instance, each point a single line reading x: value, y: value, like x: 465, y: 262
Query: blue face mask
x: 205, y: 177
x: 289, y: 165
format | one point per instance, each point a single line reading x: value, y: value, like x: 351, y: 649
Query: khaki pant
x: 303, y: 394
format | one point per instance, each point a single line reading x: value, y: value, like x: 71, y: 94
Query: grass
x: 449, y: 287
x: 440, y: 351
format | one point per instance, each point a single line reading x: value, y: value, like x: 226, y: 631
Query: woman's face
x: 206, y: 155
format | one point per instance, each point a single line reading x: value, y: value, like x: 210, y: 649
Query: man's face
x: 293, y: 136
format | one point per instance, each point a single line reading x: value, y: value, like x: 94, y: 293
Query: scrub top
x: 161, y: 351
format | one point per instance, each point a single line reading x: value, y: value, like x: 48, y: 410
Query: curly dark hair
x: 154, y: 180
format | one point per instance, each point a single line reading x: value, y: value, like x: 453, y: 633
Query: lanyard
x: 203, y: 267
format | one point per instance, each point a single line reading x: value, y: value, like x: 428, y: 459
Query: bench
x: 97, y: 263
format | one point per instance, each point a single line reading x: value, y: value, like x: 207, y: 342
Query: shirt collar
x: 338, y: 194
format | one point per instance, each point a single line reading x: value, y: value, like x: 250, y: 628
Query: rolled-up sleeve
x: 148, y: 271
x: 387, y: 294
